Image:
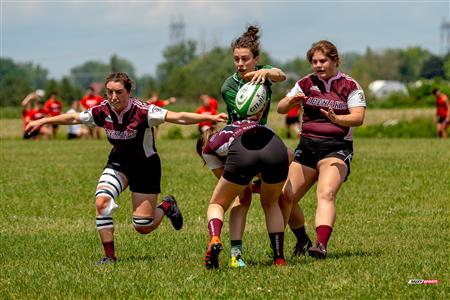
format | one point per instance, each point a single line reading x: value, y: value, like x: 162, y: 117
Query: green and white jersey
x: 230, y: 88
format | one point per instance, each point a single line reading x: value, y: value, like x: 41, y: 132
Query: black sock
x: 300, y: 234
x: 277, y: 242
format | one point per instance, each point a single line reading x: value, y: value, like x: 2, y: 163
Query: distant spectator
x: 212, y: 102
x: 76, y: 131
x: 90, y: 100
x: 207, y: 108
x: 293, y: 122
x: 155, y: 100
x: 33, y: 109
x: 442, y: 113
x: 54, y: 108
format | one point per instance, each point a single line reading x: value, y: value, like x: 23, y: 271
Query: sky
x: 60, y: 35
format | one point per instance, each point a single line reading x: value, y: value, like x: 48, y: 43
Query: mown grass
x: 392, y: 226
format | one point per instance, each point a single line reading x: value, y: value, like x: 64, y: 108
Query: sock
x: 300, y: 234
x: 277, y: 242
x: 236, y: 247
x: 109, y: 249
x: 165, y: 206
x: 323, y: 233
x: 214, y: 227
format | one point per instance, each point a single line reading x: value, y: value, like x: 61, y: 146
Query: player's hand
x: 330, y: 114
x: 258, y: 76
x: 222, y: 117
x: 32, y: 126
x: 297, y: 99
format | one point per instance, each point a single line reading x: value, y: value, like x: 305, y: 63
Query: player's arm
x: 30, y: 97
x: 64, y: 119
x: 260, y: 76
x: 290, y: 101
x: 186, y: 118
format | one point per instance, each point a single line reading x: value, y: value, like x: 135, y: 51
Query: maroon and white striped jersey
x: 340, y: 92
x: 130, y: 132
x: 216, y: 150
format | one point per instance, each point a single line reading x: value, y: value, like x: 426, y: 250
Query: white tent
x: 382, y: 88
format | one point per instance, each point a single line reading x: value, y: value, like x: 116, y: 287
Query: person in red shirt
x: 293, y: 121
x: 442, y: 113
x: 90, y: 100
x: 155, y: 100
x: 54, y: 108
x: 33, y: 109
x: 212, y: 102
x: 207, y: 108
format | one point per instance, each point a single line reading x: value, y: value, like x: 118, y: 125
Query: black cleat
x: 174, y: 213
x: 318, y: 251
x: 106, y: 261
x: 300, y: 248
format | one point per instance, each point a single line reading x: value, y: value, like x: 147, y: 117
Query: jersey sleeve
x: 296, y: 89
x: 87, y: 118
x: 156, y: 115
x: 356, y: 99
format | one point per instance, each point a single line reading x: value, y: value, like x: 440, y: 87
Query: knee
x: 286, y: 200
x: 143, y: 225
x: 101, y: 204
x: 326, y: 195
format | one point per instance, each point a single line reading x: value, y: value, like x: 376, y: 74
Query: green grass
x: 392, y: 226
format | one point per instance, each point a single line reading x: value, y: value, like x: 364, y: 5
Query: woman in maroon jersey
x: 133, y: 160
x: 332, y: 104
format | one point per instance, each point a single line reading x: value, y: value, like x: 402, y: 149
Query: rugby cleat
x: 318, y: 251
x: 106, y: 261
x: 174, y: 213
x: 236, y: 262
x: 301, y: 248
x: 279, y: 262
x: 212, y: 254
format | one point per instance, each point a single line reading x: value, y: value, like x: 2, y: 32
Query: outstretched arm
x: 260, y: 76
x: 64, y: 119
x: 186, y: 118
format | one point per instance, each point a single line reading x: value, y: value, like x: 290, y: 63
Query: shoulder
x: 350, y: 82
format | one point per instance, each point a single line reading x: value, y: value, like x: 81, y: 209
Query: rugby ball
x: 250, y: 99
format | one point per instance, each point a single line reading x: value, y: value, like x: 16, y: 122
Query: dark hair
x: 122, y: 78
x: 327, y: 48
x: 434, y: 91
x: 203, y: 140
x: 249, y: 39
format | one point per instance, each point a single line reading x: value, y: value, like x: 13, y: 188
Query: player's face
x: 323, y: 66
x: 244, y: 61
x: 117, y: 95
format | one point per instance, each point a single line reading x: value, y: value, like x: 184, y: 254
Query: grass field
x: 392, y: 226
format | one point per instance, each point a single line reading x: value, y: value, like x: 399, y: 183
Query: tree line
x: 184, y: 73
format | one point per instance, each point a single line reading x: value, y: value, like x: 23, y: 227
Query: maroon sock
x: 165, y: 206
x: 214, y: 227
x: 277, y: 242
x: 109, y: 249
x: 323, y: 233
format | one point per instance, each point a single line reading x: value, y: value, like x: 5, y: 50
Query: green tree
x: 176, y: 56
x: 89, y: 72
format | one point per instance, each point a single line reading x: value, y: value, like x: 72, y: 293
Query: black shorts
x: 258, y: 150
x: 143, y: 174
x: 310, y: 151
x: 292, y: 120
x: 442, y: 120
